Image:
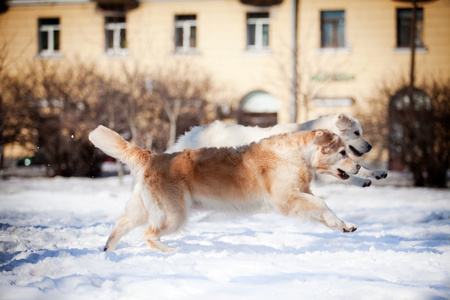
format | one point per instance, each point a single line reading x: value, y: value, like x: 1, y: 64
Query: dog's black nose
x: 369, y: 147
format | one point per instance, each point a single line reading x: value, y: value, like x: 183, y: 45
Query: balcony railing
x: 261, y: 2
x: 117, y: 5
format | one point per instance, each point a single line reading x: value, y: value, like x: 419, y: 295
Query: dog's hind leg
x: 123, y: 226
x: 135, y: 216
x: 152, y: 238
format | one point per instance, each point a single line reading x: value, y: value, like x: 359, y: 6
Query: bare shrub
x: 416, y: 131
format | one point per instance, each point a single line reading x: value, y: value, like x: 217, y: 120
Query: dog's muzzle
x: 358, y: 153
x: 343, y: 175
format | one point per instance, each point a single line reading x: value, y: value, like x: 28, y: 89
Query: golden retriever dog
x: 273, y: 174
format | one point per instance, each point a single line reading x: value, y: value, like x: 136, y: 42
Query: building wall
x: 221, y: 33
x: 369, y: 59
x: 82, y: 30
x: 221, y: 41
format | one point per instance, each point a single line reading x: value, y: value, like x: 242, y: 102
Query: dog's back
x: 222, y: 134
x: 215, y: 178
x: 244, y: 176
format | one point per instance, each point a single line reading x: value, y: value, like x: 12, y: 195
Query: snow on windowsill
x: 334, y: 51
x: 49, y: 55
x: 186, y: 52
x: 258, y: 51
x: 407, y: 50
x: 122, y: 53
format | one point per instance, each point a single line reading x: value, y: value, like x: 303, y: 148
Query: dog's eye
x: 357, y: 133
x: 343, y: 152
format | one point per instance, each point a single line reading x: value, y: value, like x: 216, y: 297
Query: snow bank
x: 52, y: 232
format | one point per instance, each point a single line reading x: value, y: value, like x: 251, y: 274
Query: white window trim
x: 335, y: 51
x: 186, y: 26
x: 333, y: 102
x: 49, y: 29
x: 258, y: 22
x: 266, y: 51
x: 116, y: 27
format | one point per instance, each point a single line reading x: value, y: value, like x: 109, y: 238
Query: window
x: 332, y: 28
x: 258, y: 30
x: 115, y: 35
x: 404, y: 16
x: 49, y: 36
x: 185, y: 33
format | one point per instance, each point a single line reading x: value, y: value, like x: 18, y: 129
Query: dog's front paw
x: 348, y: 227
x: 368, y: 173
x: 109, y: 248
x: 366, y: 183
x: 361, y: 182
x: 380, y: 174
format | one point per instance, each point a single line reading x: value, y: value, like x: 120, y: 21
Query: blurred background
x: 151, y: 69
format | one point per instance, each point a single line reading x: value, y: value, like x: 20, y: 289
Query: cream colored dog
x: 273, y: 174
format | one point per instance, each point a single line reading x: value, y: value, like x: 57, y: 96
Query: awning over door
x: 259, y: 102
x: 261, y: 2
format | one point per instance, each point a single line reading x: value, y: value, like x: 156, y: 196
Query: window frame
x: 49, y: 30
x: 116, y: 27
x: 419, y: 29
x: 259, y: 34
x: 186, y: 26
x: 336, y: 43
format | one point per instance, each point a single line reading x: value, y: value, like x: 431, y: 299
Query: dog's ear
x: 323, y: 138
x: 326, y: 140
x: 343, y: 121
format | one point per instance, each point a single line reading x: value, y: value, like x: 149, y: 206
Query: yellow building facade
x: 368, y: 53
x: 220, y: 46
x: 302, y: 59
x: 371, y: 53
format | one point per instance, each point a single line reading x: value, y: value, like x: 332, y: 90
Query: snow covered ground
x: 52, y: 232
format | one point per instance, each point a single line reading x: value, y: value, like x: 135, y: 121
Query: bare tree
x: 440, y: 93
x: 416, y: 131
x: 51, y: 110
x: 304, y: 79
x: 17, y: 112
x: 14, y: 119
x: 65, y: 94
x: 51, y: 107
x: 181, y: 88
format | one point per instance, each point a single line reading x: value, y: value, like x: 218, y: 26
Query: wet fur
x: 273, y: 174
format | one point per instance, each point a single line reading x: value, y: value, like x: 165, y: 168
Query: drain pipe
x: 293, y: 98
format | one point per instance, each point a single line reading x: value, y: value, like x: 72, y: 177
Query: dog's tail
x: 115, y: 146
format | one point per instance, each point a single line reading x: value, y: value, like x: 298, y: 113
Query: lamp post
x: 412, y: 43
x: 412, y: 46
